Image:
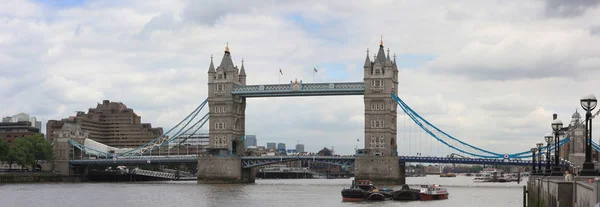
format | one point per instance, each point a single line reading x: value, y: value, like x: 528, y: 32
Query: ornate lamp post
x: 548, y: 139
x: 588, y: 103
x: 539, y: 146
x: 556, y: 126
x: 533, y: 150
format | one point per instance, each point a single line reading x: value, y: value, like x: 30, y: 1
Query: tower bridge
x: 378, y: 161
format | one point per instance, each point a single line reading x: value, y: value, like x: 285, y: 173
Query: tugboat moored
x: 433, y: 192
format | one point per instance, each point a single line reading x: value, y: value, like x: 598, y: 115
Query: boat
x: 447, y: 175
x: 406, y: 194
x: 365, y: 190
x: 433, y: 192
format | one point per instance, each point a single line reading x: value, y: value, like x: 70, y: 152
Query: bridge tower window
x: 377, y: 106
x: 378, y: 83
x: 220, y: 88
x: 220, y: 125
x: 377, y: 124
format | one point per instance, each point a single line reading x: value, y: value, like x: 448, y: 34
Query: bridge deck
x: 300, y: 89
x: 255, y: 161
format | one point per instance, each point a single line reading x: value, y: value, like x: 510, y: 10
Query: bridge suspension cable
x: 453, y: 142
x: 175, y: 132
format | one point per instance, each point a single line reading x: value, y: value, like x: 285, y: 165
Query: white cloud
x: 496, y: 78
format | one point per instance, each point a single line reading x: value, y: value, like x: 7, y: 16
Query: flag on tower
x: 280, y: 72
x: 316, y: 71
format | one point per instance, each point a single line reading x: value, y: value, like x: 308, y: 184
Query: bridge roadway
x: 256, y: 161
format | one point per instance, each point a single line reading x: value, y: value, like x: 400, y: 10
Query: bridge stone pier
x: 381, y: 170
x: 223, y: 169
x: 227, y: 93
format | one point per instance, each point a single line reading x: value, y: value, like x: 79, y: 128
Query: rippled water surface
x: 309, y: 192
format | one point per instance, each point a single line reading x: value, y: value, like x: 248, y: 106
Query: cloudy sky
x: 491, y: 73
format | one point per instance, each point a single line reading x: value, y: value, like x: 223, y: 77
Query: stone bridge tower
x: 381, y: 79
x: 227, y: 112
x: 380, y: 164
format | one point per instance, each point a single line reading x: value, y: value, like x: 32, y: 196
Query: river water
x: 284, y: 192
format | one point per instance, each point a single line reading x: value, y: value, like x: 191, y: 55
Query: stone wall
x: 381, y: 170
x: 584, y: 194
x: 225, y: 169
x: 555, y: 192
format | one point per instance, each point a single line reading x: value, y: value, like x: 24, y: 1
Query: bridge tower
x: 226, y: 125
x: 227, y: 112
x: 381, y: 163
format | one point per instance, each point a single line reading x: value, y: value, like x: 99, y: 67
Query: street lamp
x: 539, y: 146
x: 548, y: 139
x: 533, y: 150
x: 556, y: 126
x: 588, y: 103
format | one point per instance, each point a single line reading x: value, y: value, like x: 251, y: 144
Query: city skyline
x: 492, y: 80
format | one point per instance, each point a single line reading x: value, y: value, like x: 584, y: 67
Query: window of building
x: 377, y: 71
x: 219, y: 109
x: 377, y: 124
x: 378, y: 83
x: 220, y: 125
x: 578, y: 132
x: 377, y: 106
x: 220, y: 88
x: 377, y: 141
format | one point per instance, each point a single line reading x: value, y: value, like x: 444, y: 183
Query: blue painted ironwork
x: 302, y: 89
x: 256, y: 161
x: 137, y: 160
x: 416, y: 117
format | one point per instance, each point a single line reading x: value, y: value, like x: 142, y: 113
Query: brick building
x: 9, y: 131
x: 110, y: 123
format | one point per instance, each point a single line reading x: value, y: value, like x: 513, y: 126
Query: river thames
x: 284, y: 192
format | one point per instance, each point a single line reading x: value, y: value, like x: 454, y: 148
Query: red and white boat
x: 433, y: 192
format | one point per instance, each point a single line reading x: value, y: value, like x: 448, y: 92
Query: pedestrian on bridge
x: 568, y: 176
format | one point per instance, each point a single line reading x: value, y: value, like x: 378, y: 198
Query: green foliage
x: 26, y: 151
x: 4, y: 148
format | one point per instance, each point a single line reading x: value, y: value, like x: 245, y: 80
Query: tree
x: 28, y: 150
x: 23, y: 150
x: 4, y: 148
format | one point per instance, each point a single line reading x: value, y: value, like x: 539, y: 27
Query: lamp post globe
x: 548, y: 139
x: 588, y: 103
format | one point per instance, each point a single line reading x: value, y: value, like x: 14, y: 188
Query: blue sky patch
x: 316, y: 29
x: 61, y: 3
x: 413, y: 60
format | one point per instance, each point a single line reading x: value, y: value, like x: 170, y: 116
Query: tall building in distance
x: 23, y: 117
x: 271, y: 145
x: 250, y: 141
x: 281, y: 146
x: 110, y: 123
x: 300, y: 148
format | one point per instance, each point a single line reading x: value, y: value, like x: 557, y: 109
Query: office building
x: 271, y: 145
x: 110, y: 123
x: 23, y: 117
x: 281, y: 146
x: 250, y: 141
x: 300, y: 148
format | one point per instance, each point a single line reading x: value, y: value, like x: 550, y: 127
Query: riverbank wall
x: 35, y: 177
x: 554, y: 191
